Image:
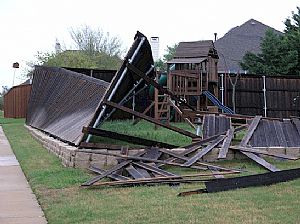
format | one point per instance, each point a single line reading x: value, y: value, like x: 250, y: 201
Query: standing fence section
x: 16, y: 100
x: 281, y: 97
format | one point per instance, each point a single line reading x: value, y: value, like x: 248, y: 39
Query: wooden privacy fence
x: 16, y: 100
x: 281, y: 97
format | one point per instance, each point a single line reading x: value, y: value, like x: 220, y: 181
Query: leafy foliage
x: 4, y: 90
x: 161, y: 63
x: 276, y: 57
x: 95, y: 40
x: 94, y: 49
x: 292, y: 33
x: 280, y: 54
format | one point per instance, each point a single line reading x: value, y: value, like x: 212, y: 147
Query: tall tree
x: 280, y: 54
x: 94, y: 49
x: 96, y: 40
x: 292, y: 33
x: 276, y: 57
x: 4, y: 90
x: 161, y: 63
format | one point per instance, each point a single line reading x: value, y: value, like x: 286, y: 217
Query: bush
x: 1, y: 103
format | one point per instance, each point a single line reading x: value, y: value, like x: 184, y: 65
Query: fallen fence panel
x: 252, y: 180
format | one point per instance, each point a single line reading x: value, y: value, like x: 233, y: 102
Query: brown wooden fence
x: 282, y: 95
x: 15, y: 101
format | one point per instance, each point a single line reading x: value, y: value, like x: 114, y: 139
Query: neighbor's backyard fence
x: 273, y: 96
x: 15, y: 101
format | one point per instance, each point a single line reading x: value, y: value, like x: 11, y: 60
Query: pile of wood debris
x: 147, y: 167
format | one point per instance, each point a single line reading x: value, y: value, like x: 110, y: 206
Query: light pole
x: 15, y: 66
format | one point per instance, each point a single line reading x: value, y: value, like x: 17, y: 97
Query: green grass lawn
x: 63, y: 201
x: 146, y: 130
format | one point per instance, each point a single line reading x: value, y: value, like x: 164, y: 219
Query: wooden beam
x: 154, y: 169
x: 126, y: 138
x: 156, y: 85
x: 261, y: 161
x: 263, y: 152
x: 225, y: 146
x: 194, y: 146
x: 134, y: 173
x: 166, y: 180
x: 150, y: 119
x: 136, y: 158
x: 204, y: 151
x: 110, y: 171
x: 113, y: 176
x: 184, y: 158
x: 106, y: 173
x: 250, y: 131
x: 92, y: 145
x: 137, y: 120
x: 181, y: 114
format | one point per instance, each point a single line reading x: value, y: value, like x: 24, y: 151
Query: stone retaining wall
x: 69, y: 155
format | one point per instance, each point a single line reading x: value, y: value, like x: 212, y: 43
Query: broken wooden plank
x: 261, y: 161
x: 148, y: 182
x: 106, y: 173
x: 184, y: 158
x: 250, y: 130
x: 181, y: 114
x: 134, y: 173
x: 166, y: 180
x: 216, y: 173
x: 138, y: 158
x: 263, y: 152
x: 225, y: 146
x: 137, y: 120
x: 110, y: 171
x: 152, y: 153
x: 92, y: 145
x: 154, y: 169
x: 204, y: 151
x: 112, y: 176
x: 196, y: 145
x: 156, y: 85
x: 144, y: 172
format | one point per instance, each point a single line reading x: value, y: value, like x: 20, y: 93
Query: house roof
x: 234, y: 45
x: 195, y: 49
x: 186, y: 60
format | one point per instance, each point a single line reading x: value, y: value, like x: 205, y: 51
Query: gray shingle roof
x: 234, y: 44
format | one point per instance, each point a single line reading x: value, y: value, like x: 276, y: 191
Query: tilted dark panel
x: 140, y: 56
x: 62, y: 102
x: 276, y: 133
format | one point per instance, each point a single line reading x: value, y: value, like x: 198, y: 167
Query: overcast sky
x: 28, y: 26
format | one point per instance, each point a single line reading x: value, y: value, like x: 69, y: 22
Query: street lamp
x: 15, y: 66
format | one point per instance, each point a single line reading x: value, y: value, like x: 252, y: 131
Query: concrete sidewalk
x: 17, y: 202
